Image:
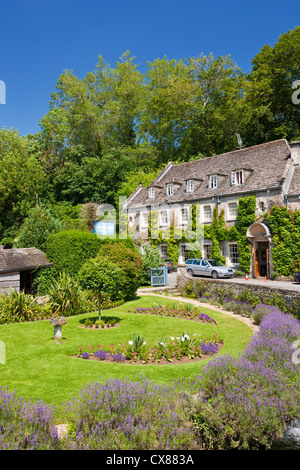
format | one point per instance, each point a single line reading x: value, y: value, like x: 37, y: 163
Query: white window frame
x: 213, y: 181
x: 161, y: 222
x: 184, y: 219
x: 234, y: 179
x: 233, y: 256
x: 163, y: 251
x: 184, y: 252
x: 205, y: 219
x: 170, y: 189
x: 204, y: 252
x: 190, y: 186
x: 151, y: 193
x: 144, y: 220
x: 231, y: 216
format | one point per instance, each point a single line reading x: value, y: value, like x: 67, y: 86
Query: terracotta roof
x: 22, y: 259
x: 264, y: 167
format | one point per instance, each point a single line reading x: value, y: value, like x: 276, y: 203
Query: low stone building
x: 270, y: 171
x: 17, y: 266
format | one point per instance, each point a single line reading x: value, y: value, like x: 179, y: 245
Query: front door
x: 261, y: 260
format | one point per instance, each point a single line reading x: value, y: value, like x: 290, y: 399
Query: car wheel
x: 190, y: 272
x: 215, y: 275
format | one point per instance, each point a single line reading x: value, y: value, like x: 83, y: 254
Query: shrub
x: 246, y: 402
x: 19, y: 307
x: 130, y: 261
x: 130, y: 416
x: 65, y: 295
x: 26, y: 425
x: 68, y: 250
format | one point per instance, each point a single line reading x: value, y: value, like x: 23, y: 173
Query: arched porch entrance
x: 260, y: 237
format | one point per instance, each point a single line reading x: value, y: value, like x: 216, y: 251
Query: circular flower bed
x: 100, y: 324
x: 184, y: 348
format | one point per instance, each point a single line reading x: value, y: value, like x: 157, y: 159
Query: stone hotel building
x: 270, y: 171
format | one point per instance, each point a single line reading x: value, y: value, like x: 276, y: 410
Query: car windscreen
x: 213, y: 262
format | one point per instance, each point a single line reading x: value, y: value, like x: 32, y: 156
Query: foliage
x: 246, y: 402
x: 37, y: 228
x: 65, y: 296
x: 285, y: 227
x: 69, y: 249
x: 130, y: 262
x: 151, y: 259
x: 26, y: 425
x: 102, y: 276
x: 18, y: 307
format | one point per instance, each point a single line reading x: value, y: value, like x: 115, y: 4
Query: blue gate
x: 159, y: 276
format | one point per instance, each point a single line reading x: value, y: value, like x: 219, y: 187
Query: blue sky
x: 42, y: 38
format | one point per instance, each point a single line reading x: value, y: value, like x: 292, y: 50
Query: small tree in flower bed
x: 176, y: 310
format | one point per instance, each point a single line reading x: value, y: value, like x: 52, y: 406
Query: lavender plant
x: 25, y: 425
x: 130, y: 415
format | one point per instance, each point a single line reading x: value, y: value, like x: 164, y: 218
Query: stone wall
x: 291, y: 298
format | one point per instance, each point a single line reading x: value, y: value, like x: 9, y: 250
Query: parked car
x: 208, y: 267
x: 297, y: 277
x: 168, y: 262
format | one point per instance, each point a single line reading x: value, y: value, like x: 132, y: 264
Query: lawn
x: 39, y: 367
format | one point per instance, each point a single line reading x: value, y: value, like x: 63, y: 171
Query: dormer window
x: 213, y: 181
x: 151, y: 193
x: 237, y: 177
x: 170, y: 189
x: 190, y: 186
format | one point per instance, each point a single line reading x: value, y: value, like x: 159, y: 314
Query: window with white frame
x: 207, y: 213
x: 233, y: 253
x: 207, y: 250
x: 170, y: 189
x: 213, y: 181
x: 151, y: 193
x: 184, y: 215
x: 144, y: 220
x: 237, y: 177
x: 184, y: 251
x: 163, y: 251
x: 190, y: 186
x: 261, y: 206
x: 232, y: 210
x: 164, y: 219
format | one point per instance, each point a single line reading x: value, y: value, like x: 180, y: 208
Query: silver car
x: 208, y: 267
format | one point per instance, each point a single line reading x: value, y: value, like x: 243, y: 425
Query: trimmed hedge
x: 68, y: 250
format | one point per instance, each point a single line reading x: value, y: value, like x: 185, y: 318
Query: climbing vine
x: 285, y: 226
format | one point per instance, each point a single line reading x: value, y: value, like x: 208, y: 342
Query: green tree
x: 271, y: 113
x: 101, y: 276
x: 37, y: 228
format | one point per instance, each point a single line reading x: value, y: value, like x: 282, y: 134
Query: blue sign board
x: 104, y: 228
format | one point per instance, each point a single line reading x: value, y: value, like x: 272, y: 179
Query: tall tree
x: 271, y: 113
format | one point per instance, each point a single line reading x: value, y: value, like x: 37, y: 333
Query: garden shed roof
x: 22, y: 259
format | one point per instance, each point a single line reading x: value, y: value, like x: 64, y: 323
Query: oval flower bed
x: 186, y: 311
x: 181, y: 349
